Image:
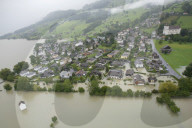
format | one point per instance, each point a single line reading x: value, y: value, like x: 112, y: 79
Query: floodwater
x: 81, y: 110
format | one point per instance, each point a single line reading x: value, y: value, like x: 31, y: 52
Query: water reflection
x: 76, y: 109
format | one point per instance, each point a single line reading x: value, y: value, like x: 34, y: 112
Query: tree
x: 54, y: 119
x: 188, y: 71
x: 52, y: 125
x: 66, y: 86
x: 107, y: 69
x: 81, y: 90
x: 7, y: 87
x: 94, y: 87
x: 6, y: 74
x: 137, y: 93
x: 116, y: 91
x: 20, y: 66
x: 160, y: 41
x: 33, y: 59
x: 130, y: 93
x: 23, y: 84
x: 168, y: 87
x: 187, y: 7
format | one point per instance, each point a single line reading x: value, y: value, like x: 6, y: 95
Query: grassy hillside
x: 71, y: 29
x: 185, y: 22
x: 180, y: 56
x: 78, y: 28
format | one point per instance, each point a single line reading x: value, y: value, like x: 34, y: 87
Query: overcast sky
x: 15, y: 14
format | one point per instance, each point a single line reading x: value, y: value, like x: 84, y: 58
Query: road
x: 170, y: 69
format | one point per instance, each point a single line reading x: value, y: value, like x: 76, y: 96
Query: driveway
x: 170, y: 69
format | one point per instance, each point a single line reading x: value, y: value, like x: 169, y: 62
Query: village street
x: 170, y: 70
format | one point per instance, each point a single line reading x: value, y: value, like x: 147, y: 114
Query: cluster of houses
x: 152, y: 21
x: 86, y: 58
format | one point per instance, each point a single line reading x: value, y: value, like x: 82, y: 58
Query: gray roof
x: 116, y: 73
x: 138, y: 62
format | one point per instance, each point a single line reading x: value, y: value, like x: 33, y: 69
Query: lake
x: 81, y: 110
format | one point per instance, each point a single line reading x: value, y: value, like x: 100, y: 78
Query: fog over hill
x: 16, y: 14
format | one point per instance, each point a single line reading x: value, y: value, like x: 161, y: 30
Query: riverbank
x: 28, y: 60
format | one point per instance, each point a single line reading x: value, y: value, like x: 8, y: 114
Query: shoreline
x: 31, y: 52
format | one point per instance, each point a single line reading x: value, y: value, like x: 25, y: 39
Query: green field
x: 180, y: 56
x: 170, y: 19
x: 70, y: 29
x: 75, y: 28
x: 185, y: 22
x: 119, y: 18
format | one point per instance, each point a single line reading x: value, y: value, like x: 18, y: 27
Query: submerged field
x: 180, y: 56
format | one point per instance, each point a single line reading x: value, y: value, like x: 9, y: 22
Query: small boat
x: 22, y: 105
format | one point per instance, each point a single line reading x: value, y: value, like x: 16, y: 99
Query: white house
x: 138, y: 63
x: 79, y: 44
x: 24, y: 73
x: 36, y: 68
x: 142, y: 48
x: 66, y: 74
x: 125, y: 55
x: 42, y: 70
x: 131, y: 46
x: 171, y: 30
x: 22, y: 105
x: 31, y: 74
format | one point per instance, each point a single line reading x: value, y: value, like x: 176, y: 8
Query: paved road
x: 170, y: 70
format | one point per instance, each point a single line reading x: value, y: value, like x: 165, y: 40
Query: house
x: 117, y: 74
x: 155, y: 56
x: 139, y: 64
x: 91, y: 60
x: 99, y: 67
x: 166, y: 49
x: 98, y: 55
x: 84, y: 65
x: 22, y: 105
x: 154, y: 65
x: 125, y: 55
x: 42, y: 70
x: 102, y: 61
x: 79, y: 44
x: 36, y: 68
x: 117, y: 64
x: 138, y: 80
x: 95, y: 73
x: 45, y: 62
x: 31, y: 74
x: 129, y: 72
x: 131, y: 46
x: 112, y: 54
x: 24, y: 73
x: 142, y: 48
x: 47, y: 74
x: 80, y: 73
x: 141, y: 58
x: 152, y: 79
x: 171, y: 30
x: 119, y: 41
x: 66, y: 74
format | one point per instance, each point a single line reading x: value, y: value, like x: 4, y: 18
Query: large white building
x: 171, y: 30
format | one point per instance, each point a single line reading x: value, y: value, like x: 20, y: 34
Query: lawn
x: 119, y: 18
x: 71, y: 29
x: 180, y: 56
x: 170, y: 19
x: 185, y: 22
